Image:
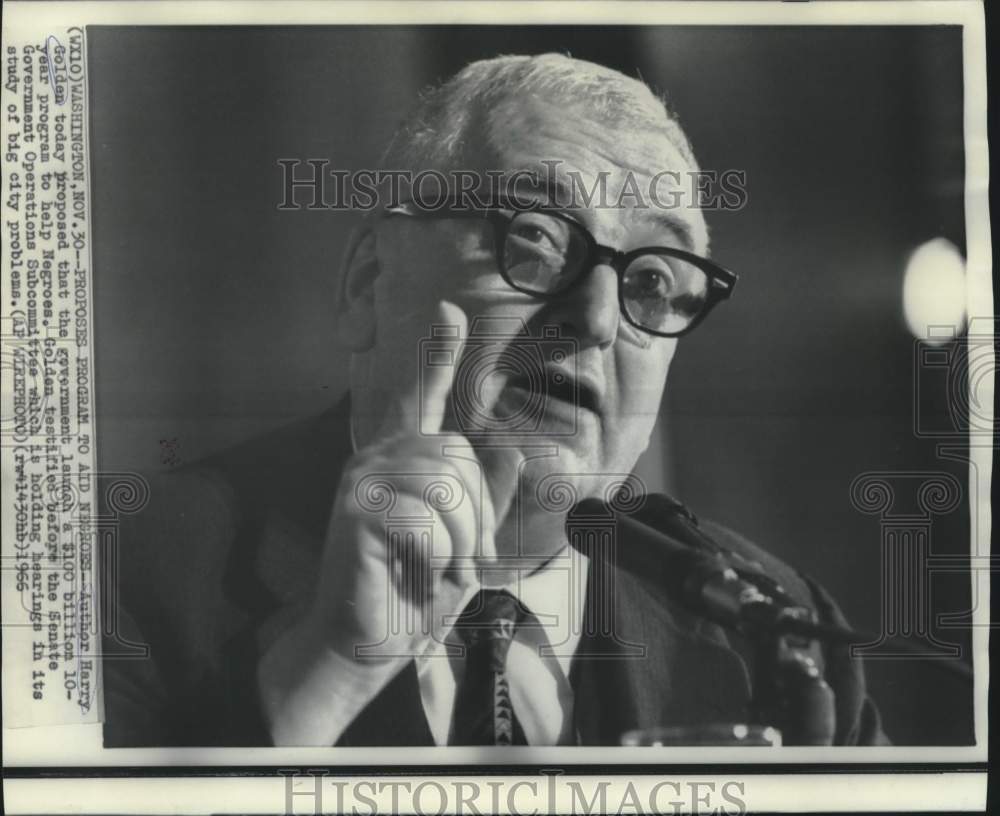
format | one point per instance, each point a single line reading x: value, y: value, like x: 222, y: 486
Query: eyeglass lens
x: 543, y: 254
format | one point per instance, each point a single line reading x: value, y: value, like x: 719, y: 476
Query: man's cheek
x: 640, y: 389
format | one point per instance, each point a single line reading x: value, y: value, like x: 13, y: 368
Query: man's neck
x: 526, y: 545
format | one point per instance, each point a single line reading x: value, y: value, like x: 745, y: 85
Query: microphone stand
x: 789, y: 691
x: 665, y: 546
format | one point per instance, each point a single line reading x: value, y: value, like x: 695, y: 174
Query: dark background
x: 214, y: 310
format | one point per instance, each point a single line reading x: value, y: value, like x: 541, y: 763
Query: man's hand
x: 376, y: 606
x: 388, y: 601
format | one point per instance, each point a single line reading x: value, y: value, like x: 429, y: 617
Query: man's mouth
x: 557, y: 387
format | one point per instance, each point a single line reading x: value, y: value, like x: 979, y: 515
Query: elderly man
x: 395, y: 572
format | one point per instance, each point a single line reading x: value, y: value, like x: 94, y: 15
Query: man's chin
x: 552, y: 450
x: 551, y: 467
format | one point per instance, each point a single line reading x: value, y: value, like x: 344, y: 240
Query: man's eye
x: 533, y: 234
x: 649, y: 283
x: 536, y: 235
x: 540, y: 233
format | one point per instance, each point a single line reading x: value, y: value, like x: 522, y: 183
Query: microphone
x: 658, y: 540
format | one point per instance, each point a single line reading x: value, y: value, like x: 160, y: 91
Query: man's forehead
x: 583, y: 134
x: 620, y: 175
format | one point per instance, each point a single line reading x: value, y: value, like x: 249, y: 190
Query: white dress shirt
x: 538, y: 661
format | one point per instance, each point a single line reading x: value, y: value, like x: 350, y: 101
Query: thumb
x: 502, y: 466
x: 438, y: 364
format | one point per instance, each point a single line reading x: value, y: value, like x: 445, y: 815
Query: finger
x: 480, y: 547
x: 438, y: 364
x: 460, y: 455
x: 422, y: 555
x: 420, y: 406
x: 502, y: 467
x: 455, y: 458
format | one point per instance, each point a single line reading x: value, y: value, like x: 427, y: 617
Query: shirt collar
x: 555, y: 595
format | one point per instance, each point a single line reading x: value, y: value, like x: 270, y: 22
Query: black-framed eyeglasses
x: 663, y: 291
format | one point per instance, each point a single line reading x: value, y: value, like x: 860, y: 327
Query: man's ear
x: 356, y: 306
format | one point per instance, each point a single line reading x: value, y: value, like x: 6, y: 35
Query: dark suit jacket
x: 223, y: 557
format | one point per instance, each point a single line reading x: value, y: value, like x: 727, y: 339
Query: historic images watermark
x: 955, y: 373
x: 312, y: 184
x: 315, y: 792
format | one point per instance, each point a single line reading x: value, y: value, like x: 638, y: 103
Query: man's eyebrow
x: 672, y: 221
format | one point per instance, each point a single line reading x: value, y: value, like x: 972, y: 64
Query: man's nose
x: 590, y: 309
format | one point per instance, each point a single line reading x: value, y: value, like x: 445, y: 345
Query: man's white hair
x: 451, y: 126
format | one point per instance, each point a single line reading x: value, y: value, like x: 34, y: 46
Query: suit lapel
x: 287, y: 489
x: 643, y: 662
x: 395, y: 717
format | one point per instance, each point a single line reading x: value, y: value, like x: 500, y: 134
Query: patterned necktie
x: 483, y: 713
